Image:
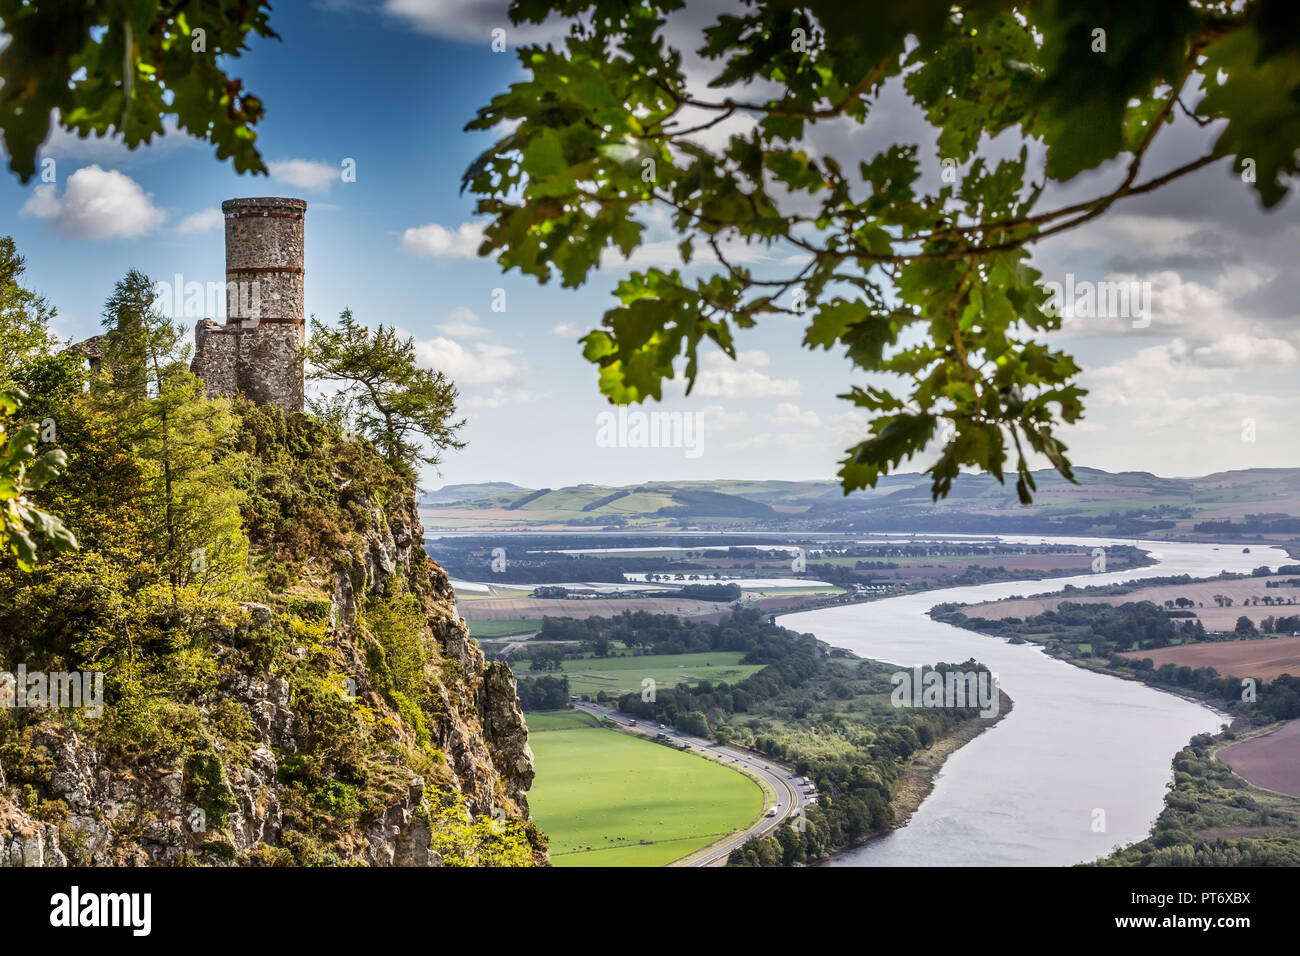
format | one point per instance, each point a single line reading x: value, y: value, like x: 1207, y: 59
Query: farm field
x: 1264, y: 659
x: 1271, y: 761
x: 516, y: 608
x: 611, y: 799
x: 491, y: 629
x: 544, y: 720
x: 1214, y: 618
x: 623, y: 675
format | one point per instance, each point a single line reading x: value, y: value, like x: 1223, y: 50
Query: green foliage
x: 164, y: 489
x: 931, y: 286
x: 22, y: 472
x: 308, y: 491
x: 24, y: 316
x: 205, y: 781
x: 179, y: 437
x: 401, y: 655
x: 111, y: 67
x: 384, y: 394
x: 462, y: 840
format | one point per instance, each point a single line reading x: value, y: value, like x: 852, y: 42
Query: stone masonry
x: 259, y: 350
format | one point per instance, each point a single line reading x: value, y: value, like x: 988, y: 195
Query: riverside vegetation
x: 823, y: 710
x: 1212, y: 816
x: 286, y: 680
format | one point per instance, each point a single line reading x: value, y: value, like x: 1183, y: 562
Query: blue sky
x: 390, y: 84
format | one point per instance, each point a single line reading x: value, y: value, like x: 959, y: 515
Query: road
x: 780, y: 779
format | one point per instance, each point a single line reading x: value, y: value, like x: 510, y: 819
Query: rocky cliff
x: 346, y: 717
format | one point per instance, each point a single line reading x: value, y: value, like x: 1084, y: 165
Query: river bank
x: 1079, y: 747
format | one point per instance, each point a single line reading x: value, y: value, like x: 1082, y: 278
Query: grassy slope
x: 600, y: 793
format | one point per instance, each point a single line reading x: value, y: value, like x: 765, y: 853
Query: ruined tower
x: 259, y: 350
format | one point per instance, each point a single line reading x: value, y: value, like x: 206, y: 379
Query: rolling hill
x: 1260, y: 502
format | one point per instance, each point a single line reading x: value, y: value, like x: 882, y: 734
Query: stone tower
x: 259, y: 349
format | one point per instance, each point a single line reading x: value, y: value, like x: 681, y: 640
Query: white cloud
x: 305, y: 173
x: 666, y: 254
x: 65, y: 145
x: 566, y: 329
x: 470, y: 21
x: 205, y: 220
x: 719, y: 417
x: 97, y: 204
x: 789, y: 415
x: 438, y: 242
x: 499, y: 397
x: 1245, y: 351
x: 720, y: 377
x: 476, y: 366
x: 463, y: 322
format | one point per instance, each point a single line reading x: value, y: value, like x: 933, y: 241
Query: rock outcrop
x: 234, y: 802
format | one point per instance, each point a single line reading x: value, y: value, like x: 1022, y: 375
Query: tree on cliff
x: 161, y: 414
x: 24, y: 316
x: 928, y: 282
x: 384, y: 395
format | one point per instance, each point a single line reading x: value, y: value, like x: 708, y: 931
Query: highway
x: 780, y: 779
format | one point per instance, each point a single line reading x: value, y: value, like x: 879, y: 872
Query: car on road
x: 631, y: 723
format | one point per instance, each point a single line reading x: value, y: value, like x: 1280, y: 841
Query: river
x: 1079, y: 766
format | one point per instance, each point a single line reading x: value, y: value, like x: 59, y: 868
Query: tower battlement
x: 258, y: 351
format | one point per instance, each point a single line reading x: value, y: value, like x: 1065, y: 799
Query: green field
x: 796, y: 592
x: 545, y: 720
x: 623, y: 675
x: 504, y: 628
x: 607, y: 798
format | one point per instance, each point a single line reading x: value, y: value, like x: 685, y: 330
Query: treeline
x: 855, y: 789
x: 645, y: 633
x: 1100, y: 632
x: 544, y: 693
x: 1251, y: 524
x: 709, y: 592
x: 552, y: 568
x: 904, y: 516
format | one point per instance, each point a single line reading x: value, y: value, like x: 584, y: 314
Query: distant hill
x: 1257, y: 501
x: 453, y: 494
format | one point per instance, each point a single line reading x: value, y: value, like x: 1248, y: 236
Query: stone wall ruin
x: 258, y: 351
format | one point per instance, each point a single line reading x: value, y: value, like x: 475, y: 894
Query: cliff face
x: 308, y: 746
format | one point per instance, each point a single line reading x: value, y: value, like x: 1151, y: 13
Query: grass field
x: 796, y: 592
x: 543, y: 721
x: 607, y: 798
x: 504, y: 628
x: 623, y: 675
